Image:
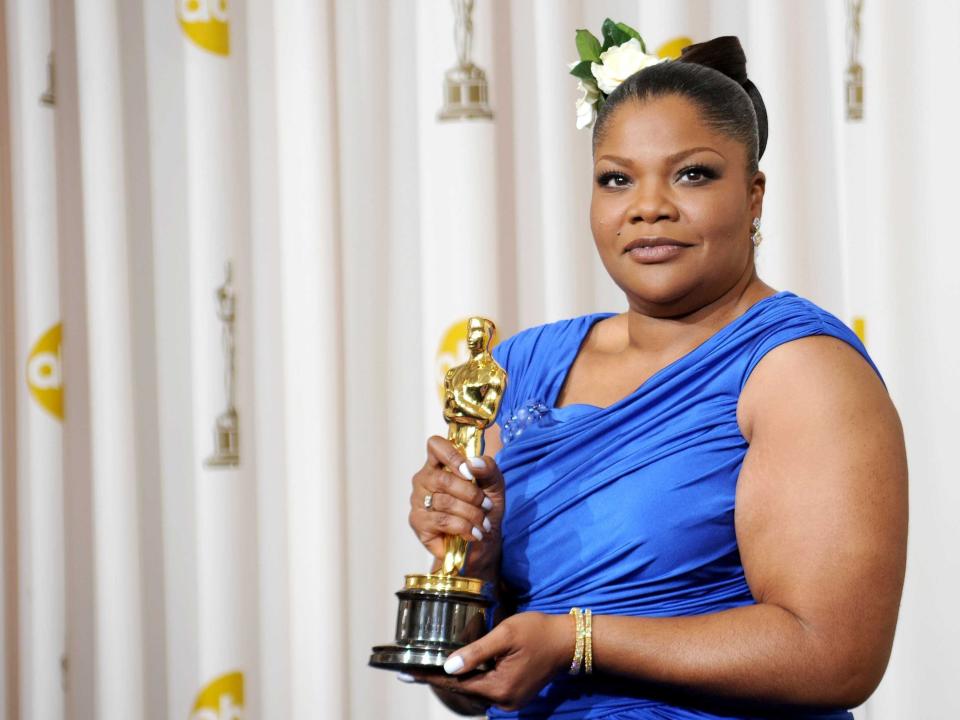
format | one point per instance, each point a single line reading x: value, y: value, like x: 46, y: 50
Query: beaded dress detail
x: 528, y: 414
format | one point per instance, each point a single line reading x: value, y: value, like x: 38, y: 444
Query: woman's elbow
x: 851, y: 681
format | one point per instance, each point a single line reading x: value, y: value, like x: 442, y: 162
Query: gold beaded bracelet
x: 578, y: 643
x: 583, y: 646
x: 588, y: 643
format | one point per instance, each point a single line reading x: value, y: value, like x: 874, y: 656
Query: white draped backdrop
x: 140, y: 583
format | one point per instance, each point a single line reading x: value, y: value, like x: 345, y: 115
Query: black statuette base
x: 432, y: 624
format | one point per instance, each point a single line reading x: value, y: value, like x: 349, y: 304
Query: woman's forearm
x: 760, y: 653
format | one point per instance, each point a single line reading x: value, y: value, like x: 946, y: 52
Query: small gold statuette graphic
x: 854, y: 74
x: 465, y: 88
x: 226, y: 445
x: 444, y: 611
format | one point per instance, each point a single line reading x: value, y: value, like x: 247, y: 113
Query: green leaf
x: 582, y: 70
x: 606, y: 30
x: 588, y: 46
x: 613, y: 35
x: 633, y: 33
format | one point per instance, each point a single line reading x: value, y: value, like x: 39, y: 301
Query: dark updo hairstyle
x: 713, y: 76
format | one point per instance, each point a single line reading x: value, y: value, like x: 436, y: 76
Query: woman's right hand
x: 457, y: 505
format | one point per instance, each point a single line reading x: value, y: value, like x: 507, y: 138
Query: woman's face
x: 672, y: 206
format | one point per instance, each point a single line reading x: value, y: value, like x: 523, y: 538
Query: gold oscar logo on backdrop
x: 860, y: 327
x: 222, y: 699
x: 672, y: 48
x: 206, y: 23
x: 453, y: 351
x: 44, y: 376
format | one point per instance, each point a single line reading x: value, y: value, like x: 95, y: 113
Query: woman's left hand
x: 528, y: 649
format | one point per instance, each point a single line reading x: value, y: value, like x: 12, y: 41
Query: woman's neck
x: 648, y: 331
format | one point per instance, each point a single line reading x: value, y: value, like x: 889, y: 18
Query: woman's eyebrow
x: 670, y: 159
x: 615, y: 158
x: 678, y: 156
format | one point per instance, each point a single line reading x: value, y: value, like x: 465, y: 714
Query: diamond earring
x: 755, y: 235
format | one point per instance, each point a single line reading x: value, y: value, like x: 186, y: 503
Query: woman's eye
x: 612, y: 179
x: 696, y: 174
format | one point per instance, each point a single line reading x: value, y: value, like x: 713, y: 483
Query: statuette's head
x: 479, y: 334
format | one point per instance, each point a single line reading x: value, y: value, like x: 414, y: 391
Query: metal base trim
x: 404, y: 658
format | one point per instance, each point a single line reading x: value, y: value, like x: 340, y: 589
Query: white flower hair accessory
x: 602, y: 68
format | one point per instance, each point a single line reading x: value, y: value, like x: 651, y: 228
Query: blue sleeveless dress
x: 629, y: 510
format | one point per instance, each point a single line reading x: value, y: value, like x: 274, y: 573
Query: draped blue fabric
x: 629, y: 509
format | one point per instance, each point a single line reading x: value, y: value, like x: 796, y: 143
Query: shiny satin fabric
x: 629, y: 509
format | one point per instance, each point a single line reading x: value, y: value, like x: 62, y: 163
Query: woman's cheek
x: 605, y: 217
x: 602, y: 227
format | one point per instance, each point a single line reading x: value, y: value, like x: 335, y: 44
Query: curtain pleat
x: 116, y: 548
x: 39, y: 406
x: 310, y: 317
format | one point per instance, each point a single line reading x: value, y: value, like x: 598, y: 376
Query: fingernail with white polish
x: 477, y: 463
x: 486, y: 525
x: 403, y: 677
x: 487, y: 503
x: 477, y: 534
x: 454, y: 664
x: 465, y: 471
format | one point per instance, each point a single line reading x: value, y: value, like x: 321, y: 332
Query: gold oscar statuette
x: 443, y: 611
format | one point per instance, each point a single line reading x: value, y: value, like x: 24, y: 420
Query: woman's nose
x: 651, y: 203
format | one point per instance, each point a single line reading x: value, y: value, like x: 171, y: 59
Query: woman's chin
x: 661, y: 294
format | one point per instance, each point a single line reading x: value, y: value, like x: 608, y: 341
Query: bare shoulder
x: 819, y: 375
x: 819, y: 420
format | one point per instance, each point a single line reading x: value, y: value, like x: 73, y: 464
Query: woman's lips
x: 654, y: 249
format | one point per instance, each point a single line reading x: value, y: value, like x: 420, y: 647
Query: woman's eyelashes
x: 698, y: 174
x: 612, y: 179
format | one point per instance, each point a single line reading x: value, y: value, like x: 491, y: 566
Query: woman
x: 718, y: 473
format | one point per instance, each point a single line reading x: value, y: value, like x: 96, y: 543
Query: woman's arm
x: 822, y: 526
x: 821, y: 520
